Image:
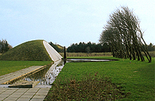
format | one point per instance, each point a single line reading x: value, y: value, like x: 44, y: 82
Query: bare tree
x: 124, y: 35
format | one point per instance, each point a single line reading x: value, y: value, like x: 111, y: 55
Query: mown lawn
x: 12, y: 66
x: 134, y: 78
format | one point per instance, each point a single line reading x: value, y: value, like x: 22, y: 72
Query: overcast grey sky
x: 67, y: 21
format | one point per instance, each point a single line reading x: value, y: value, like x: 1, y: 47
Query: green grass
x: 134, y: 77
x: 90, y: 88
x: 12, y: 66
x: 28, y: 51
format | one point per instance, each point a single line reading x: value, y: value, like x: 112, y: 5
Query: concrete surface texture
x: 24, y: 84
x: 17, y: 74
x: 38, y: 93
x: 54, y: 55
x: 23, y: 94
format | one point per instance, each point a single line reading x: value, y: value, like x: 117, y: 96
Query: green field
x: 12, y: 66
x: 116, y: 80
x: 135, y: 79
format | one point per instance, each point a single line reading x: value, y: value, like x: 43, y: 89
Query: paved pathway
x: 19, y: 73
x: 37, y: 93
x: 23, y: 94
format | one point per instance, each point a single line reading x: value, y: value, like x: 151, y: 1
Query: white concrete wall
x: 54, y: 55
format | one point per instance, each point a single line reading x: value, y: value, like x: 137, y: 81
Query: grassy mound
x: 28, y: 51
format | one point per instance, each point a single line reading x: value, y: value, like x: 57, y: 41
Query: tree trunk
x: 146, y: 51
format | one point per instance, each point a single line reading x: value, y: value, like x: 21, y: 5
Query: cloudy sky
x: 67, y: 21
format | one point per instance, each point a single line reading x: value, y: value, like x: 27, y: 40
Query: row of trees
x: 4, y: 46
x: 124, y: 36
x: 151, y: 47
x: 93, y: 47
x: 88, y: 47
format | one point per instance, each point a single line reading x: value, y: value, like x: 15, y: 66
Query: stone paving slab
x: 11, y: 76
x: 38, y: 93
x: 23, y: 94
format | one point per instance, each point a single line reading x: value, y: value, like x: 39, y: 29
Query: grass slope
x: 133, y: 77
x: 28, y: 51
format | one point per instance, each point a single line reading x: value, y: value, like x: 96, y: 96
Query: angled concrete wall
x: 54, y: 55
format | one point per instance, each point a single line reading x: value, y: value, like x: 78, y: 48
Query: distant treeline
x: 88, y: 47
x: 93, y: 47
x: 151, y: 47
x: 75, y: 47
x: 4, y: 46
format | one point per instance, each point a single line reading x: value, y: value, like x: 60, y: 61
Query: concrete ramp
x: 54, y: 55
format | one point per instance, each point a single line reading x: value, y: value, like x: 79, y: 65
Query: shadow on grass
x: 89, y: 88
